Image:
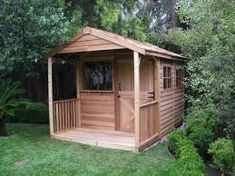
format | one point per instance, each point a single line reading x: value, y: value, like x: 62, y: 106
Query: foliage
x: 31, y: 112
x: 28, y: 29
x: 209, y: 45
x: 199, y: 129
x: 30, y: 151
x: 158, y: 15
x: 223, y: 155
x: 190, y: 163
x: 109, y: 13
x: 173, y: 139
x: 8, y: 93
x: 114, y: 16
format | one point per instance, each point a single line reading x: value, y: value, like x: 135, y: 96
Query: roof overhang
x: 142, y: 48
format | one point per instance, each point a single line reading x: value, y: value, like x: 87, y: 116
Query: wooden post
x: 158, y: 92
x: 78, y: 92
x: 50, y: 96
x: 137, y: 98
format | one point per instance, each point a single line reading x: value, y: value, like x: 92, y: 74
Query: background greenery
x: 202, y: 30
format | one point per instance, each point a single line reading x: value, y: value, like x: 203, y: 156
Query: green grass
x: 30, y: 151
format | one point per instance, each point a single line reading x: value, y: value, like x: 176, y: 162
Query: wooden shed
x: 129, y: 94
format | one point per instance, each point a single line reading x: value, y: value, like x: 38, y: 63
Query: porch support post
x: 78, y: 92
x: 137, y: 98
x: 50, y: 96
x: 158, y: 91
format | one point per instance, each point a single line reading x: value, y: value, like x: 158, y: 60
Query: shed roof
x: 143, y: 48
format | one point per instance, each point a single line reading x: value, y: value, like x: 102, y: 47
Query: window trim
x: 180, y: 77
x: 82, y: 82
x: 171, y: 77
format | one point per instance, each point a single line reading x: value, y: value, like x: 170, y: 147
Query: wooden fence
x: 149, y: 120
x: 65, y: 114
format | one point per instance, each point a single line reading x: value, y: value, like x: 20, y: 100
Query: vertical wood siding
x: 148, y: 121
x: 65, y: 114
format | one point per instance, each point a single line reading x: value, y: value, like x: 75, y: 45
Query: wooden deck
x: 100, y: 138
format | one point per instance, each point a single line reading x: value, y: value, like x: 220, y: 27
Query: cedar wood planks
x: 89, y: 42
x: 97, y: 110
x: 172, y: 101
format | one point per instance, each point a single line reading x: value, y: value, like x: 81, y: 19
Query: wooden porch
x: 68, y: 127
x: 99, y: 138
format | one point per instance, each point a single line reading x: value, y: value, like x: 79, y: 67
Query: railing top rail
x: 149, y: 104
x: 67, y: 100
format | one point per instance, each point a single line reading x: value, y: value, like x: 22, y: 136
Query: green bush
x: 189, y: 161
x: 31, y: 112
x: 199, y: 129
x: 201, y: 135
x: 223, y: 155
x: 173, y: 139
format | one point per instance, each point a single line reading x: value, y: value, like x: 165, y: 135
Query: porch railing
x: 65, y: 114
x: 148, y: 121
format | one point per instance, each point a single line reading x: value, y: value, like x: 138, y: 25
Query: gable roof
x: 143, y: 48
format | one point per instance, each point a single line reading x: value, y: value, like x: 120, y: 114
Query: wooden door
x: 125, y: 95
x: 124, y: 87
x: 147, y: 86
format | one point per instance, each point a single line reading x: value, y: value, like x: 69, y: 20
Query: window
x: 179, y: 77
x: 98, y: 76
x: 167, y: 77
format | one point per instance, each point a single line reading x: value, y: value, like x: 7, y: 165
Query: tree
x: 107, y: 15
x: 28, y: 30
x: 209, y: 45
x: 160, y: 15
x: 8, y: 92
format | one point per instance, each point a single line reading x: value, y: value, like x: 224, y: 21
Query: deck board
x: 100, y: 138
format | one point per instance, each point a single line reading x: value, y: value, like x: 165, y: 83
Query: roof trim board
x: 143, y: 48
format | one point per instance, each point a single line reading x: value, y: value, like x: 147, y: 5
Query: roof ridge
x: 124, y: 41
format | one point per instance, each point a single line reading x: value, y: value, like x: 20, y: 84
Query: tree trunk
x: 174, y: 20
x: 3, y: 131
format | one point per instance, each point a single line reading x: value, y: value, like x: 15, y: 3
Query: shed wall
x: 172, y: 101
x: 97, y: 110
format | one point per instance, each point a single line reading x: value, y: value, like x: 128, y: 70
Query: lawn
x: 30, y: 151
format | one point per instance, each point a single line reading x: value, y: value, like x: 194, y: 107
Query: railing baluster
x: 65, y: 114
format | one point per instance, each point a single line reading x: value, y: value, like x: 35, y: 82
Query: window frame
x: 168, y: 77
x: 82, y: 82
x: 179, y: 77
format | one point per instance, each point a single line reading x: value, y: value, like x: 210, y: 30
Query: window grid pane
x: 98, y: 76
x: 179, y: 77
x: 167, y: 80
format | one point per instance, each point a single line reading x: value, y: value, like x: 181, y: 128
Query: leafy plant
x: 8, y: 92
x: 199, y: 129
x: 32, y: 112
x: 209, y: 45
x: 223, y: 155
x: 190, y: 163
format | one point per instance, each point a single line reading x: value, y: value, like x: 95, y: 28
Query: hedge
x: 31, y: 112
x: 189, y: 161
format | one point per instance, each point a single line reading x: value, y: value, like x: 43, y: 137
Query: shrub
x: 190, y: 163
x: 173, y: 139
x: 223, y: 155
x: 201, y: 135
x: 199, y: 129
x: 31, y: 112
